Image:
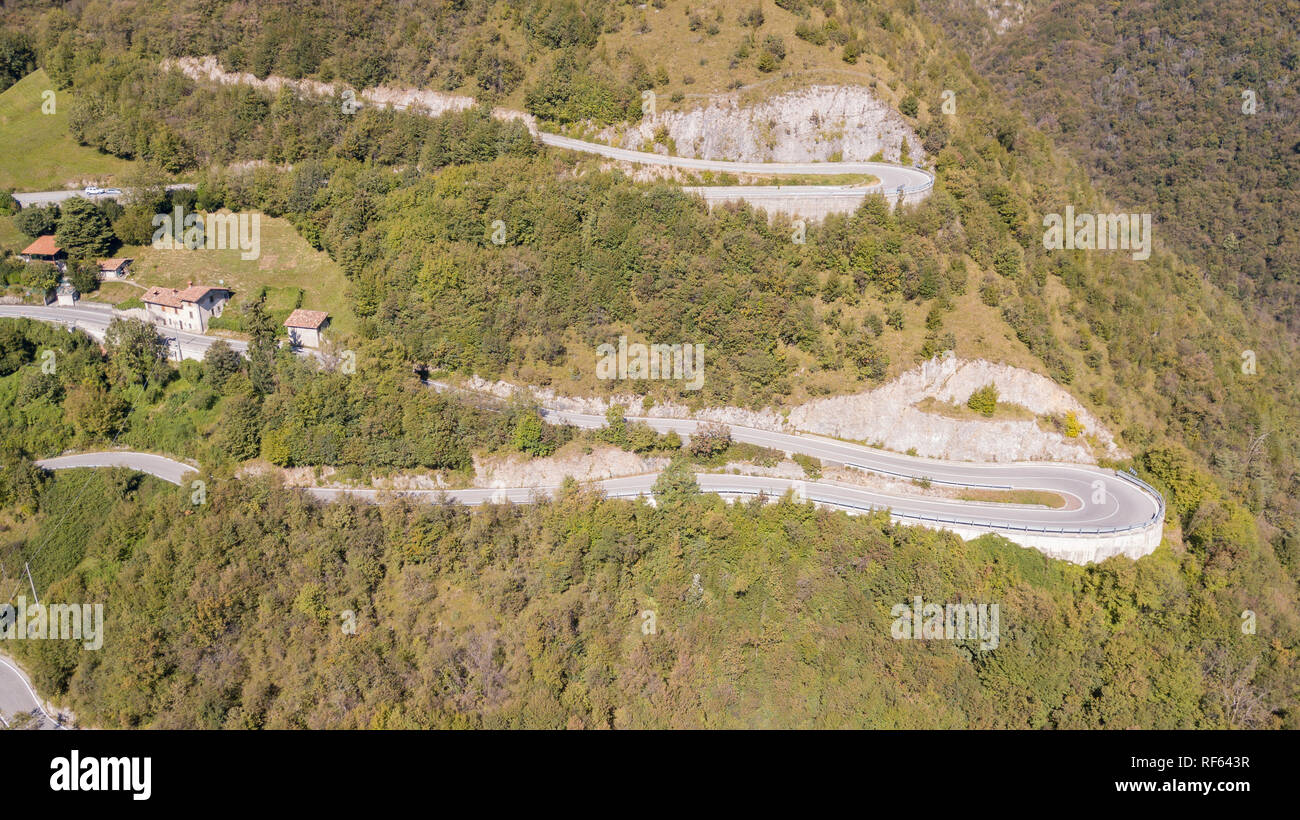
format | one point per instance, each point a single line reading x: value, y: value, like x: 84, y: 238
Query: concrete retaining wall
x: 1077, y: 549
x: 810, y: 207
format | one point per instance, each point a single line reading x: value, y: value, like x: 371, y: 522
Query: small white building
x: 66, y: 294
x: 188, y: 309
x: 114, y: 268
x: 305, y: 327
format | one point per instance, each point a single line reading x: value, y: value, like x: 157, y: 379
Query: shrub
x: 984, y: 401
x: 709, y: 440
x: 812, y: 467
x: 1072, y: 426
x: 36, y: 221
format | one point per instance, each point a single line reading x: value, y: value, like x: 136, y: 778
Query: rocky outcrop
x: 518, y: 470
x: 432, y: 103
x: 820, y: 123
x: 887, y: 416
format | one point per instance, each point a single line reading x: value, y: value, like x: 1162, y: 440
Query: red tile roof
x: 112, y: 264
x: 306, y: 318
x: 171, y: 297
x: 196, y: 292
x: 43, y: 246
x: 162, y: 296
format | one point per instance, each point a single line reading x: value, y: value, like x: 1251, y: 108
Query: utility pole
x: 30, y: 581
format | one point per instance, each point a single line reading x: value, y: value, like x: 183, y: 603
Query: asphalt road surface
x: 1097, y: 500
x: 44, y: 198
x: 94, y: 318
x: 891, y: 176
x: 17, y: 697
x: 162, y: 467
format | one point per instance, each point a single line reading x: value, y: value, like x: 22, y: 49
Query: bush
x: 709, y: 440
x: 812, y: 467
x: 36, y: 221
x: 84, y: 276
x: 1072, y: 426
x: 984, y: 401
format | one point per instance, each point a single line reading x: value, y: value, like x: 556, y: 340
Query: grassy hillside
x: 286, y: 265
x: 39, y: 153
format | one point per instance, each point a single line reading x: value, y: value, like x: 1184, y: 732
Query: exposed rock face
x: 812, y: 124
x: 432, y: 103
x: 887, y: 415
x: 1004, y: 15
x: 521, y: 471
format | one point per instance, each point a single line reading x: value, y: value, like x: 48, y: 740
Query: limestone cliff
x: 819, y: 123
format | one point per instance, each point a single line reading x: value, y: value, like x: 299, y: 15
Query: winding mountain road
x: 1100, y: 504
x: 892, y: 177
x: 1097, y: 500
x: 900, y: 180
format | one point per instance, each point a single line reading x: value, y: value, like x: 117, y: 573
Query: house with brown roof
x: 305, y: 327
x: 45, y: 249
x: 188, y: 309
x: 114, y: 268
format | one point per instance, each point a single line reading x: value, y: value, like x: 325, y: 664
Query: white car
x: 111, y: 191
x: 91, y: 190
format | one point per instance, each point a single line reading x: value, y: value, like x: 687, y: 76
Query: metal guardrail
x: 940, y: 519
x: 905, y: 190
x: 934, y: 519
x: 1156, y: 494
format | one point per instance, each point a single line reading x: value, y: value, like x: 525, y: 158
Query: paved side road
x: 44, y: 198
x: 94, y: 318
x: 162, y: 467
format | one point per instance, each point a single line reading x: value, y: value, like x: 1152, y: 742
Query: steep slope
x: 1188, y: 110
x: 1153, y: 348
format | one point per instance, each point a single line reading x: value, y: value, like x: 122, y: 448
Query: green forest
x: 1204, y: 92
x: 777, y: 615
x: 531, y: 616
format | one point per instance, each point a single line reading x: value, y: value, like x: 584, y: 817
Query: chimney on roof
x: 189, y: 284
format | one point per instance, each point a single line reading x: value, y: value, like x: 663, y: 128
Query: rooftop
x: 43, y: 246
x: 306, y: 318
x: 171, y: 297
